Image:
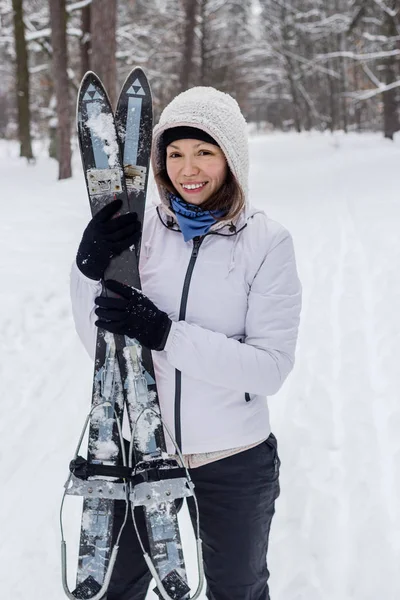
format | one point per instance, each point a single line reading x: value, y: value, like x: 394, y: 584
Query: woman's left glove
x: 133, y: 315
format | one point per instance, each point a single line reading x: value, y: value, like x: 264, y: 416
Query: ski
x: 115, y: 156
x: 102, y: 168
x: 133, y: 118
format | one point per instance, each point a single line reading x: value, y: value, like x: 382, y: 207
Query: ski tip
x: 135, y: 84
x: 90, y: 89
x: 134, y: 70
x: 90, y: 76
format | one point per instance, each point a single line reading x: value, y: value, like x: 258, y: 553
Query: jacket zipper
x: 197, y: 241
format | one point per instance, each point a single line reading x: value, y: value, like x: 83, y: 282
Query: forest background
x: 291, y: 64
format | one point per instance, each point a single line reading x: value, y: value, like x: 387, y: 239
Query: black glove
x: 133, y: 315
x: 105, y: 237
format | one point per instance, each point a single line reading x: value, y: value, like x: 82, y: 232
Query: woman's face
x: 196, y: 169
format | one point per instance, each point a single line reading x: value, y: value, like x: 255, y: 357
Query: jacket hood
x: 214, y: 112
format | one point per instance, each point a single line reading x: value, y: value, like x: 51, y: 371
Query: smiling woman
x: 195, y: 169
x: 220, y: 309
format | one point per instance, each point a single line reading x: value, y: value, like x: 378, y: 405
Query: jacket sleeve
x: 83, y: 293
x: 261, y: 364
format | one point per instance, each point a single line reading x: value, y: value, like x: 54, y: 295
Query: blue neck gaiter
x: 192, y: 220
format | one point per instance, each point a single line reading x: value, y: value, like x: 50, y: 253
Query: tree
x: 190, y: 7
x: 298, y: 64
x: 85, y: 39
x: 104, y: 45
x: 22, y: 81
x: 391, y: 71
x: 60, y: 74
x: 377, y: 25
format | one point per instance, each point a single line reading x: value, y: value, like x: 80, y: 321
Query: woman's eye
x: 205, y: 152
x: 173, y: 155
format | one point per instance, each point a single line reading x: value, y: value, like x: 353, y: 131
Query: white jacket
x: 235, y: 319
x: 237, y: 341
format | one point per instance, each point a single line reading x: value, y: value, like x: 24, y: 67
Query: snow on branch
x: 386, y: 9
x: 308, y: 63
x: 372, y: 76
x: 354, y: 56
x: 383, y: 39
x: 37, y: 35
x: 46, y: 34
x: 78, y: 5
x: 337, y: 22
x: 41, y: 39
x: 39, y: 68
x: 366, y: 95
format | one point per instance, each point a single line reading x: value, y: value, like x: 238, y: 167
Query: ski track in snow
x: 336, y: 533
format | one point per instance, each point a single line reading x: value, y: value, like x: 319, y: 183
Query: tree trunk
x: 332, y: 102
x: 85, y: 43
x: 290, y: 72
x: 104, y: 45
x: 58, y: 23
x: 295, y: 97
x: 331, y: 88
x: 203, y: 41
x: 344, y: 88
x: 22, y: 72
x: 357, y: 109
x: 342, y: 84
x: 187, y: 58
x: 307, y: 116
x: 390, y: 104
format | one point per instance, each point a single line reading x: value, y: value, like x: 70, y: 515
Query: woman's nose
x: 190, y: 168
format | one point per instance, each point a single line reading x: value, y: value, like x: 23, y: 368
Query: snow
x: 336, y: 533
x: 105, y: 450
x: 144, y: 423
x: 102, y: 126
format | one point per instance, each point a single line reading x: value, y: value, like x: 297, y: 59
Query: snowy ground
x: 336, y: 534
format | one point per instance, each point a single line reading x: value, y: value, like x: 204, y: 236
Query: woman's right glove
x: 105, y: 238
x: 133, y: 314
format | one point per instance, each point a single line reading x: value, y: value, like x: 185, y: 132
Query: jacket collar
x: 227, y: 228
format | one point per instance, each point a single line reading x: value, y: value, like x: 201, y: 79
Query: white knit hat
x: 217, y: 114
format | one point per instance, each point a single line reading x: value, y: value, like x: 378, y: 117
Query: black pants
x: 236, y: 497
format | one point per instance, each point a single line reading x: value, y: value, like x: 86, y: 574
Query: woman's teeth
x: 193, y: 186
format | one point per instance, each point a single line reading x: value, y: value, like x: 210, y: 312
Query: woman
x: 220, y: 309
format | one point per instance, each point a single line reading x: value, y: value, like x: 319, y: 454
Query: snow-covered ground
x: 336, y: 534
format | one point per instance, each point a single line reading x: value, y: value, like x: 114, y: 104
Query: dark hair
x: 229, y: 197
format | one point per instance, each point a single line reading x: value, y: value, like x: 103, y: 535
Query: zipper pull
x: 196, y: 245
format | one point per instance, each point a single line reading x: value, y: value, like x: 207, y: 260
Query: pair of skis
x: 115, y: 152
